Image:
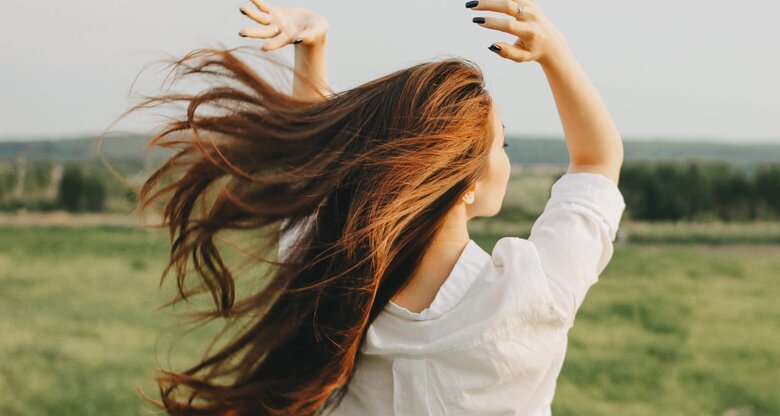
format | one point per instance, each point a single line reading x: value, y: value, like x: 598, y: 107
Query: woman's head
x: 378, y: 166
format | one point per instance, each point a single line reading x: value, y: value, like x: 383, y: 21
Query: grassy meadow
x: 685, y: 320
x: 672, y: 329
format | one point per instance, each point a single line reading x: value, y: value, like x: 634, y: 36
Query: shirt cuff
x: 594, y: 191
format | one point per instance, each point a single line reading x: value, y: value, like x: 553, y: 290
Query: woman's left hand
x: 284, y: 25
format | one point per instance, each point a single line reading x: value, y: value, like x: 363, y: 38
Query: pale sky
x: 692, y: 69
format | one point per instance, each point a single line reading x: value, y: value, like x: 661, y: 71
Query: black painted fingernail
x: 494, y: 48
x: 478, y: 20
x: 241, y: 34
x: 242, y: 11
x: 470, y: 4
x: 297, y: 41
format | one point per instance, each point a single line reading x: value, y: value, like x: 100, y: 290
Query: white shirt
x: 493, y: 340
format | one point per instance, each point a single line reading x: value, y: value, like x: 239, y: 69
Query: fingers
x: 256, y: 15
x: 501, y: 6
x: 260, y: 32
x: 277, y: 42
x: 521, y: 25
x: 511, y: 26
x: 262, y: 5
x: 261, y: 17
x: 511, y: 52
x: 508, y: 7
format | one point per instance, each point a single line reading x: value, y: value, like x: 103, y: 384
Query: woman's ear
x: 469, y: 196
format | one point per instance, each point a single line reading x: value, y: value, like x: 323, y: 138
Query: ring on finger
x: 520, y: 11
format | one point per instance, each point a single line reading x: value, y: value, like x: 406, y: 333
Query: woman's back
x: 494, y: 338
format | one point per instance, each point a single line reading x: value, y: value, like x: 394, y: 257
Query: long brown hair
x: 377, y: 167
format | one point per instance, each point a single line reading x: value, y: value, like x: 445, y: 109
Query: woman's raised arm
x: 310, y: 59
x: 302, y: 28
x: 593, y: 141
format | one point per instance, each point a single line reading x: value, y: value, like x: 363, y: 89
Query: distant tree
x: 698, y: 195
x: 39, y: 176
x: 671, y: 186
x: 7, y: 179
x: 733, y: 194
x: 655, y: 190
x: 71, y: 188
x: 94, y: 193
x: 633, y: 184
x: 767, y: 186
x: 81, y: 192
x: 676, y: 190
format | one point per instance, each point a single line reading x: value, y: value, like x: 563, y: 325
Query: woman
x: 379, y: 303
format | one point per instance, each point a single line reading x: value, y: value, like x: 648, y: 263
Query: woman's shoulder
x: 516, y: 261
x: 509, y: 250
x: 504, y: 291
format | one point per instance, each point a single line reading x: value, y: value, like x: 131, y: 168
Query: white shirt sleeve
x: 573, y: 236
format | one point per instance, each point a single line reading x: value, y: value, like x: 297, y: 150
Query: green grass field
x: 670, y: 329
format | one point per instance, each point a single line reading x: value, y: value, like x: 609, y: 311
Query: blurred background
x: 684, y: 320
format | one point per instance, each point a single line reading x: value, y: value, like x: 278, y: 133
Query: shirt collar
x: 467, y: 268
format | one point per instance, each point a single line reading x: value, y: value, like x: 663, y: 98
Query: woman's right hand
x: 286, y: 25
x: 537, y: 38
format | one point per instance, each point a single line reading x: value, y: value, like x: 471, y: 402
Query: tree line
x: 668, y: 190
x: 48, y: 186
x: 700, y: 190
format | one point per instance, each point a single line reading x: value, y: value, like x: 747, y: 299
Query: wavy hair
x: 373, y: 170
